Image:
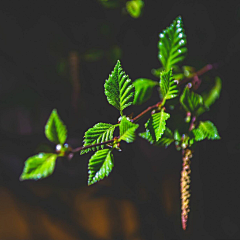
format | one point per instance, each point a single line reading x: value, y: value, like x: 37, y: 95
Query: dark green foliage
x: 100, y: 165
x: 39, y: 166
x: 55, y: 130
x: 100, y: 132
x: 143, y: 90
x: 210, y: 97
x: 127, y: 130
x: 190, y: 100
x: 119, y: 89
x: 172, y: 44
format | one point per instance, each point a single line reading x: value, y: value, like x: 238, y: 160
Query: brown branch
x: 93, y: 145
x: 198, y: 73
x: 146, y: 111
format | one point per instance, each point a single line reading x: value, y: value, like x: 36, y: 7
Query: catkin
x: 185, y: 185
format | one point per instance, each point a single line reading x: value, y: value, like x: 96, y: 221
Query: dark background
x: 57, y: 54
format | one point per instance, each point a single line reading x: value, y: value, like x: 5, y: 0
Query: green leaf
x: 134, y: 8
x: 39, y: 166
x: 172, y: 44
x: 191, y: 101
x: 206, y: 130
x: 210, y: 97
x: 143, y: 90
x: 100, y: 165
x: 119, y: 89
x: 127, y: 130
x: 55, y: 130
x: 148, y: 136
x: 168, y: 87
x: 157, y: 124
x: 100, y: 132
x: 166, y: 139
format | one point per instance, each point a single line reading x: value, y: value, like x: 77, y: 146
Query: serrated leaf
x: 100, y: 132
x: 157, y: 124
x: 166, y: 139
x: 206, y: 130
x: 148, y: 136
x: 134, y: 8
x: 172, y: 44
x: 143, y: 90
x: 55, y: 130
x: 119, y: 89
x: 39, y: 166
x: 168, y: 87
x: 210, y: 97
x: 127, y: 130
x: 191, y: 101
x: 100, y: 165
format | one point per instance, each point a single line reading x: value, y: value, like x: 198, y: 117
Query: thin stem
x: 93, y: 145
x: 200, y: 72
x: 192, y: 124
x: 146, y: 111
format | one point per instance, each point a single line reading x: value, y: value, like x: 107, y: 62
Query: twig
x: 93, y: 145
x: 146, y: 111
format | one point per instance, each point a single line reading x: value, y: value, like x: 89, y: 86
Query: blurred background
x: 57, y: 54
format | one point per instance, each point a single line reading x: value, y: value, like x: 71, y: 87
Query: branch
x: 93, y: 145
x: 146, y: 111
x: 199, y: 73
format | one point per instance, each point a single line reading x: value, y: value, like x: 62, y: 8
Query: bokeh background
x: 57, y: 54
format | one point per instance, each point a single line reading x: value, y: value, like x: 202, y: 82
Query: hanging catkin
x: 185, y: 185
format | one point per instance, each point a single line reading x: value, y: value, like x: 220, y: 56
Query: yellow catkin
x: 185, y: 185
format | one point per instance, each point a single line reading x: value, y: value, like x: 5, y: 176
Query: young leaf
x: 166, y: 139
x: 100, y: 132
x: 127, y: 130
x: 119, y: 89
x: 206, y: 130
x: 168, y: 87
x: 55, y: 130
x: 212, y: 96
x: 148, y: 136
x: 191, y: 101
x: 100, y: 165
x: 172, y: 44
x: 134, y: 7
x: 39, y: 166
x: 143, y: 90
x: 157, y: 124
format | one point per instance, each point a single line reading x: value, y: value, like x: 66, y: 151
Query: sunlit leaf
x: 166, y: 139
x: 206, y: 130
x: 168, y: 87
x: 127, y: 130
x: 119, y: 89
x: 143, y: 90
x: 157, y: 124
x: 172, y: 44
x: 55, y: 130
x: 190, y: 100
x: 148, y: 136
x: 100, y: 165
x: 39, y: 166
x: 100, y: 132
